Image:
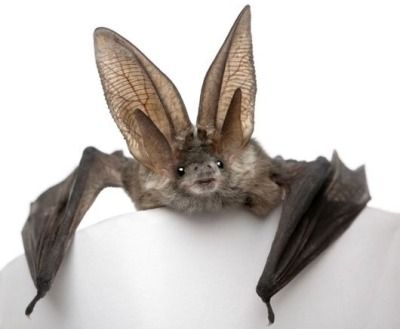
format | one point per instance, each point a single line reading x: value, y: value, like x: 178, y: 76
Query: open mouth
x: 204, y: 182
x: 204, y: 185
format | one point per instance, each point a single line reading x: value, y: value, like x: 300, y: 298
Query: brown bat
x: 211, y: 166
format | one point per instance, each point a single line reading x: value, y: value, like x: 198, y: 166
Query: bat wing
x: 57, y: 212
x: 323, y: 198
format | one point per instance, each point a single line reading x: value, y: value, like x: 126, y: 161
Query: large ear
x: 154, y: 150
x: 230, y: 86
x: 231, y: 137
x: 144, y: 103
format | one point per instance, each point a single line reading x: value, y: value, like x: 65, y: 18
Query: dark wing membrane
x: 131, y: 82
x: 323, y: 200
x: 57, y: 212
x: 232, y: 69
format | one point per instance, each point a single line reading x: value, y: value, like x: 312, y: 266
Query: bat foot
x: 265, y: 294
x: 43, y: 287
x: 271, y: 314
x: 32, y: 304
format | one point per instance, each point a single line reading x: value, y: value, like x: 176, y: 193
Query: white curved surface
x: 159, y: 269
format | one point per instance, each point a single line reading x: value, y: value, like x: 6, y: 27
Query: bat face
x: 200, y: 172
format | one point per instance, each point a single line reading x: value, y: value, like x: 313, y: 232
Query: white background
x: 328, y: 77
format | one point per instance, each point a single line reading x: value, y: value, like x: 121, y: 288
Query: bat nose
x: 205, y: 169
x: 209, y: 169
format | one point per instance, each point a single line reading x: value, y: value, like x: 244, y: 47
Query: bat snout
x: 205, y: 170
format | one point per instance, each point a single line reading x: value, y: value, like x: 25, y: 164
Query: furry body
x: 244, y: 181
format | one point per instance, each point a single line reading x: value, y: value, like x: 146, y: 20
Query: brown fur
x: 245, y: 181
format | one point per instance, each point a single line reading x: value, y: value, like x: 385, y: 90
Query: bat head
x: 199, y: 169
x: 150, y: 113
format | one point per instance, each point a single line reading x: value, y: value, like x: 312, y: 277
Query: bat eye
x: 180, y: 171
x: 220, y: 164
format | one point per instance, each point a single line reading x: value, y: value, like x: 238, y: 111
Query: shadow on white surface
x: 159, y: 269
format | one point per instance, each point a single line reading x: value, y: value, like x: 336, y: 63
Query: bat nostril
x: 195, y: 168
x: 209, y: 166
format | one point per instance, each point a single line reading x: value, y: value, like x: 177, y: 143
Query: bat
x: 213, y: 165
